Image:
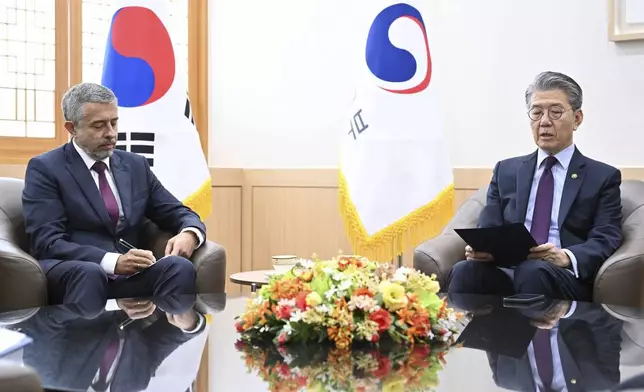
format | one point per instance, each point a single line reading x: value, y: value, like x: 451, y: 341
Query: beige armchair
x: 22, y: 280
x: 620, y: 280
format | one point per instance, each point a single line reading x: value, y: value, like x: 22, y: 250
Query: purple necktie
x: 108, y: 359
x: 108, y: 196
x: 543, y: 357
x: 543, y: 203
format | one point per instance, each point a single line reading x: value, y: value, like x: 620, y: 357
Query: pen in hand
x: 131, y: 247
x: 126, y: 244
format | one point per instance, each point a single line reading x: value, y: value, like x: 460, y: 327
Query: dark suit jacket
x: 590, y: 213
x: 589, y: 347
x: 66, y: 218
x: 67, y: 349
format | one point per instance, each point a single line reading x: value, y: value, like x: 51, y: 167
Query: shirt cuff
x: 197, y: 233
x: 199, y: 324
x: 573, y: 307
x: 109, y: 262
x: 111, y: 305
x: 573, y: 262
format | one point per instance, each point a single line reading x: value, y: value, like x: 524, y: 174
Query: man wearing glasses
x: 571, y: 205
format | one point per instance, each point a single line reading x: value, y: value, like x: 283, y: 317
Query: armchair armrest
x: 210, y: 262
x: 210, y: 303
x: 619, y: 280
x: 22, y: 280
x: 438, y: 255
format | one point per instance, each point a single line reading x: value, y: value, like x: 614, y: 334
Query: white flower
x: 296, y: 316
x: 323, y: 308
x: 401, y: 274
x: 327, y: 270
x: 345, y: 285
x: 287, y: 328
x: 337, y: 276
x: 431, y: 335
x: 329, y: 294
x: 288, y: 359
x: 258, y: 300
x: 363, y: 302
x: 286, y: 302
x: 307, y: 263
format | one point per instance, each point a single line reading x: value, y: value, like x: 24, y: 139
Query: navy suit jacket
x: 589, y: 347
x: 68, y: 349
x: 66, y: 218
x: 590, y: 213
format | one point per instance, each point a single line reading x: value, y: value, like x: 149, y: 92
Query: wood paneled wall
x: 260, y: 213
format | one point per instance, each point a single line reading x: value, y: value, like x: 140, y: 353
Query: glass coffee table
x: 593, y: 347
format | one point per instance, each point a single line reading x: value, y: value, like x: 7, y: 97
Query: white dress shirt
x: 558, y: 377
x: 559, y: 172
x: 109, y: 260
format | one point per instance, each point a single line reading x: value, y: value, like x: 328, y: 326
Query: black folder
x: 509, y: 244
x: 504, y: 332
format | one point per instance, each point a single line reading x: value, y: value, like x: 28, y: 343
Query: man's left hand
x: 550, y: 253
x: 186, y: 321
x: 551, y: 317
x: 182, y: 244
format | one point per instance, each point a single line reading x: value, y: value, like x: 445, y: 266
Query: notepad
x: 509, y: 244
x: 11, y: 341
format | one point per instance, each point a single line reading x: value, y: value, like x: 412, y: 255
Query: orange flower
x: 288, y: 289
x: 363, y: 291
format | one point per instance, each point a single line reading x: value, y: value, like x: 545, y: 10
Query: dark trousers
x: 528, y: 277
x: 74, y: 282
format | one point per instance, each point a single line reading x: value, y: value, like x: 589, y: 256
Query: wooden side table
x: 254, y: 279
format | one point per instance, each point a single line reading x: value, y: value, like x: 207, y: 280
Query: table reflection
x: 553, y: 346
x: 117, y: 348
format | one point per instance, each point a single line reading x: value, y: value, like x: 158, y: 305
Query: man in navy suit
x: 571, y: 204
x: 77, y: 348
x: 80, y: 199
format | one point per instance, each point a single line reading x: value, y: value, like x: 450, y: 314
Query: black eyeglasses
x: 554, y: 112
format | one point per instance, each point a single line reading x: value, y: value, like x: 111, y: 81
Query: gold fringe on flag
x: 407, y: 232
x: 201, y: 200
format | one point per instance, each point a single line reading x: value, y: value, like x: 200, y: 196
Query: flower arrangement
x: 317, y: 368
x: 345, y: 300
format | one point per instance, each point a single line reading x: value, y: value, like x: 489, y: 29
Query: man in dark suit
x: 571, y: 204
x: 80, y: 199
x: 75, y: 348
x: 576, y: 348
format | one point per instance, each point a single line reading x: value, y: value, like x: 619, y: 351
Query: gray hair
x: 83, y: 93
x: 547, y: 81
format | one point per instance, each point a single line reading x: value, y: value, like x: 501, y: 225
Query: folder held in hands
x: 509, y: 244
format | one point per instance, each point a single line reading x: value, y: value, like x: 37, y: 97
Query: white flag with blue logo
x: 155, y: 118
x: 396, y: 184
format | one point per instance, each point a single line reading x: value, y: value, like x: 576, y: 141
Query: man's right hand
x: 136, y: 309
x: 471, y: 254
x: 134, y: 261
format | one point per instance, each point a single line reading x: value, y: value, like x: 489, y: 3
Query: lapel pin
x: 574, y: 176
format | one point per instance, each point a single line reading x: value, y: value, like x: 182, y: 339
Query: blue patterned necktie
x: 543, y: 203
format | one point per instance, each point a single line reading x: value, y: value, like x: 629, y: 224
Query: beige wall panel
x: 14, y: 171
x: 301, y: 221
x: 224, y: 227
